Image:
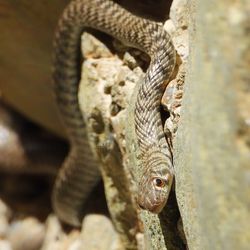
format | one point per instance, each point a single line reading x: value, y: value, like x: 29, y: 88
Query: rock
x: 5, y: 245
x: 169, y: 27
x: 54, y: 234
x: 26, y: 234
x: 140, y: 241
x: 98, y: 234
x: 92, y: 47
x: 101, y: 83
x: 4, y: 217
x: 181, y: 44
x: 212, y: 147
x: 178, y: 13
x: 171, y: 101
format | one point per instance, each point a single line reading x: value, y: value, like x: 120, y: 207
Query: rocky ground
x: 27, y: 173
x: 28, y: 223
x: 30, y: 233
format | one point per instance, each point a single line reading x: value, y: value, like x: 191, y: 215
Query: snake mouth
x: 156, y: 208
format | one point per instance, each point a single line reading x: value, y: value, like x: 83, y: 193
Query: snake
x: 79, y: 172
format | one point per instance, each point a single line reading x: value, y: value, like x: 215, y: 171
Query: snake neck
x: 148, y: 122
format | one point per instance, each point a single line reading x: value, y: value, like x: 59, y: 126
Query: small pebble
x: 96, y: 227
x: 26, y: 234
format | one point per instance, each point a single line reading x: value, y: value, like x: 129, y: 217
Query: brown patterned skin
x: 79, y: 173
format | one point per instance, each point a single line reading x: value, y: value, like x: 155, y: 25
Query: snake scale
x: 79, y: 173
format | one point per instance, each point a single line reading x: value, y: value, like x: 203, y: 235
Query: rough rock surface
x: 26, y: 232
x: 109, y: 238
x: 103, y: 97
x: 212, y: 145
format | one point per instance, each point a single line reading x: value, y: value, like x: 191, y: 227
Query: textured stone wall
x: 212, y: 146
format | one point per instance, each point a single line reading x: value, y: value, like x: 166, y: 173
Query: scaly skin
x: 79, y: 173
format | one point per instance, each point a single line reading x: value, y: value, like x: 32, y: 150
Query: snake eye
x: 159, y: 182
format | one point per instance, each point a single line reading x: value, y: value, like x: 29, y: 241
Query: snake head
x: 154, y: 191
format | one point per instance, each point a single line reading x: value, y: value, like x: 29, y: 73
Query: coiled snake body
x: 80, y: 173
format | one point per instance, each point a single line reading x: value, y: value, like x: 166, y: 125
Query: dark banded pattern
x: 79, y: 173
